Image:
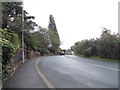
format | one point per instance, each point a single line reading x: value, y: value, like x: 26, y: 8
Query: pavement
x: 65, y: 71
x: 25, y: 76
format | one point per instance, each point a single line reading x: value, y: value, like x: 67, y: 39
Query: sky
x: 76, y: 20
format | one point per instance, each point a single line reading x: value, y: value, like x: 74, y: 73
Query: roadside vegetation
x: 106, y: 48
x: 98, y: 58
x: 43, y: 41
x: 36, y: 39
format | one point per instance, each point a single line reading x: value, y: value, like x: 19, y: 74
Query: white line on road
x: 106, y: 67
x: 98, y: 65
x: 43, y: 77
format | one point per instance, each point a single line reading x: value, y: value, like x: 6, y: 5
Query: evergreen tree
x: 52, y: 24
x: 53, y: 35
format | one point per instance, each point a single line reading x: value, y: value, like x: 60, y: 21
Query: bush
x: 88, y: 52
x: 8, y: 50
x: 107, y: 46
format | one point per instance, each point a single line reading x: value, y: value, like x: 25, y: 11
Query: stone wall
x: 16, y: 60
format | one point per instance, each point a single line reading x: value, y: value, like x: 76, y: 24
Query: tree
x: 54, y: 42
x: 45, y: 34
x: 11, y: 32
x: 10, y: 10
x: 52, y: 24
x: 53, y: 35
x: 39, y: 43
x: 12, y: 20
x: 107, y: 46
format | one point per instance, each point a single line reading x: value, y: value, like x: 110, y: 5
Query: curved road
x: 66, y: 72
x: 76, y: 72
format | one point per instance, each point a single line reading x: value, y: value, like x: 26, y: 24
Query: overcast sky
x: 75, y: 19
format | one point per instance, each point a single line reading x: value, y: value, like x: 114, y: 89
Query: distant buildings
x: 68, y: 52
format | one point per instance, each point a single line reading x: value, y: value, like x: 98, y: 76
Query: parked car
x: 61, y: 53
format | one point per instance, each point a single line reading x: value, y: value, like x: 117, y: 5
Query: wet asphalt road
x: 66, y: 72
x: 75, y: 72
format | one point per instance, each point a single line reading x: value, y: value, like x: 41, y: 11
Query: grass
x: 98, y: 58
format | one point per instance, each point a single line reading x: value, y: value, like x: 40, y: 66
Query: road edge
x: 49, y: 85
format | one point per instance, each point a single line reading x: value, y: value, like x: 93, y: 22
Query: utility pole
x: 118, y: 23
x: 23, y: 34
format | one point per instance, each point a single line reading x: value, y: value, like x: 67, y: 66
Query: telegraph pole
x: 23, y: 59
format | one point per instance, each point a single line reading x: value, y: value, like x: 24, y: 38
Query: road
x: 66, y: 71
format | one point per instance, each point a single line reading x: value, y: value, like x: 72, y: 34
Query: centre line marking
x: 106, y: 67
x: 97, y: 65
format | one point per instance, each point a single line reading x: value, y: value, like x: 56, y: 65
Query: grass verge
x: 98, y: 58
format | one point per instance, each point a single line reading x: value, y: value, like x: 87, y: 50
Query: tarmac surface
x: 65, y: 71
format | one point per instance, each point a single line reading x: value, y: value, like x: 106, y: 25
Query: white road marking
x: 106, y: 67
x: 98, y: 65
